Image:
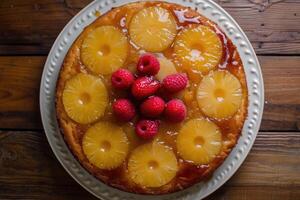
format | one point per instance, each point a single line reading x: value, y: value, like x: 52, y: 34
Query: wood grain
x: 282, y: 93
x: 20, y: 80
x: 31, y: 26
x: 29, y: 170
x: 269, y: 170
x: 19, y: 92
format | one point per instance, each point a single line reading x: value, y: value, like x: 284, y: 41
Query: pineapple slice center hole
x: 104, y: 50
x: 105, y: 146
x: 84, y: 98
x: 196, y: 52
x: 152, y: 165
x: 198, y: 141
x: 219, y: 94
x: 197, y: 47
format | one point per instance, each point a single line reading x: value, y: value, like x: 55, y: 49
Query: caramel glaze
x: 188, y: 173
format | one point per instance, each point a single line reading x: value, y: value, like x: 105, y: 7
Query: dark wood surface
x: 28, y: 168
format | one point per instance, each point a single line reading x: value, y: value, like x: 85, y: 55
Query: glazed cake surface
x: 187, y: 172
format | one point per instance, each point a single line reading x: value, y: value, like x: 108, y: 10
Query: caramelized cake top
x: 181, y: 154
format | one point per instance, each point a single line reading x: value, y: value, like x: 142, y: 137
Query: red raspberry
x: 144, y: 87
x: 122, y: 79
x: 148, y: 65
x: 147, y: 129
x: 152, y: 107
x: 123, y: 109
x: 175, y: 111
x: 175, y: 82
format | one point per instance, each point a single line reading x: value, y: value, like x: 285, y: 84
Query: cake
x: 194, y: 102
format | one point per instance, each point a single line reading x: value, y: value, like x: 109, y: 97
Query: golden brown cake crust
x: 187, y: 174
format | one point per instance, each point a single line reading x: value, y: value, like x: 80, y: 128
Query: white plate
x: 47, y: 97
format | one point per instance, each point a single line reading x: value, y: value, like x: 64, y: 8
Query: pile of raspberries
x: 144, y: 88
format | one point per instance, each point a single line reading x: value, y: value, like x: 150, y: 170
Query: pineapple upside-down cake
x: 151, y: 97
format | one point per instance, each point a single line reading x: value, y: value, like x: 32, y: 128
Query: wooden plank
x: 272, y: 26
x: 277, y: 48
x: 19, y: 92
x: 29, y: 170
x: 20, y: 80
x: 282, y: 93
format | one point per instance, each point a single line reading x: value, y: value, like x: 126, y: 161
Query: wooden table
x: 28, y: 168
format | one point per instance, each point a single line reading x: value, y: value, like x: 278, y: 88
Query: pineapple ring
x: 166, y: 68
x: 85, y: 98
x: 153, y: 29
x: 199, y: 141
x: 104, y: 50
x: 219, y: 94
x: 152, y: 165
x: 198, y: 48
x: 105, y: 145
